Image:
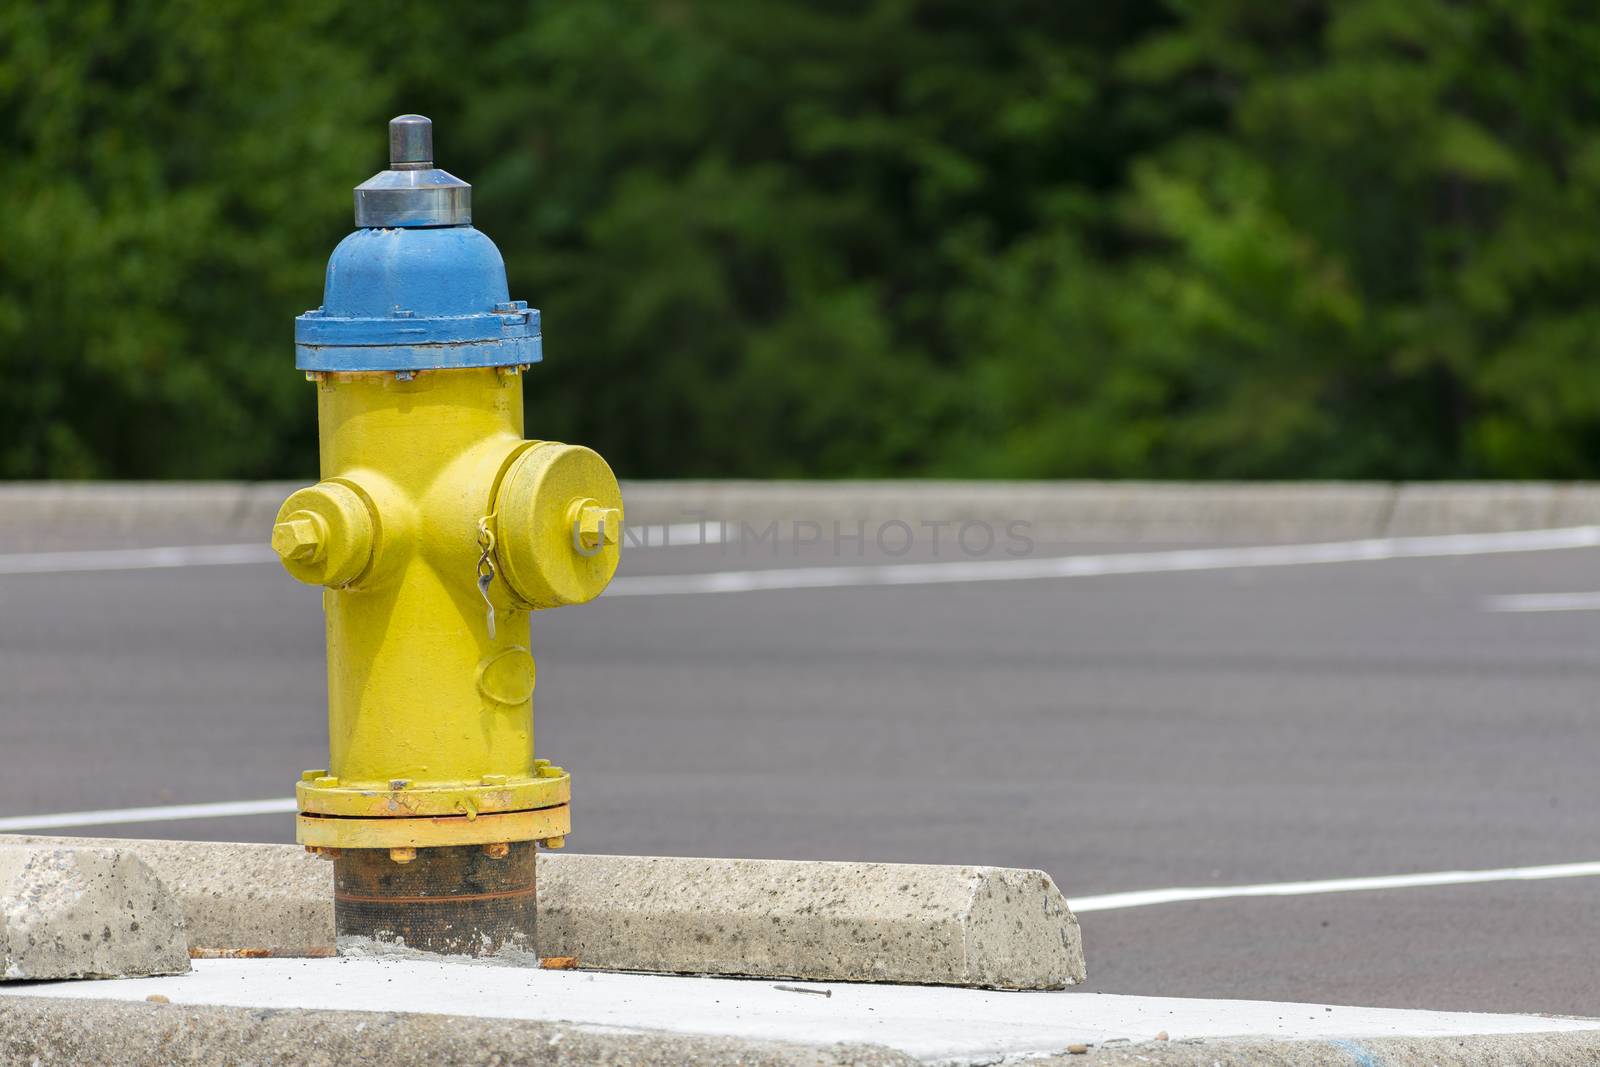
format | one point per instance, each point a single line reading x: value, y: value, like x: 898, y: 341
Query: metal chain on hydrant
x: 486, y: 566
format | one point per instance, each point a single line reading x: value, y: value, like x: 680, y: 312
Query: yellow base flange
x: 320, y: 794
x: 321, y: 831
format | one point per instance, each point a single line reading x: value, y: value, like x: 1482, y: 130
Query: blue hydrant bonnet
x: 417, y: 287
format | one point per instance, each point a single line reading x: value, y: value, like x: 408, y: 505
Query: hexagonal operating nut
x: 300, y: 537
x: 596, y: 525
x: 325, y: 534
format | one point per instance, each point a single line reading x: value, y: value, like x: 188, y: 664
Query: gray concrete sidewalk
x: 411, y: 1011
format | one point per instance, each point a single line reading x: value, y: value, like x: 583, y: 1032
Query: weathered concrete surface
x: 414, y: 1009
x: 85, y: 913
x: 985, y: 926
x: 871, y: 922
x: 44, y: 1031
x: 1139, y: 511
x: 38, y: 1032
x: 273, y: 900
x: 1483, y: 1050
x: 1422, y: 508
x: 1149, y: 511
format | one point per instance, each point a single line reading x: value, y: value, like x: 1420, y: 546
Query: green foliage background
x: 1194, y: 238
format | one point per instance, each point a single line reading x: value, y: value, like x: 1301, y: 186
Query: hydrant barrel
x: 435, y: 530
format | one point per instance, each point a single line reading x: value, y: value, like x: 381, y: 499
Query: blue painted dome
x: 448, y: 271
x: 416, y: 297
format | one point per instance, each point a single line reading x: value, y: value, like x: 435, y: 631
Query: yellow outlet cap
x: 559, y: 525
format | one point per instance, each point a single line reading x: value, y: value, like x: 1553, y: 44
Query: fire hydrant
x: 436, y: 530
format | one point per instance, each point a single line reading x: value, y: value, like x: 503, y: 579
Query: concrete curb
x: 990, y: 927
x: 1139, y: 511
x: 38, y: 1031
x: 1145, y: 511
x: 238, y: 900
x: 849, y: 922
x: 85, y: 913
x: 1556, y: 1049
x: 185, y: 511
x: 1073, y: 510
x: 41, y: 1031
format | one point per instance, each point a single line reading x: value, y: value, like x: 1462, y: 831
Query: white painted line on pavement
x: 1003, y: 570
x: 677, y: 535
x: 1543, y: 602
x: 1197, y: 559
x: 1147, y: 897
x: 163, y: 813
x: 673, y: 535
x: 135, y: 559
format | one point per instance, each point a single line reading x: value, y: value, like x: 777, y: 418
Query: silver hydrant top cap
x: 412, y: 192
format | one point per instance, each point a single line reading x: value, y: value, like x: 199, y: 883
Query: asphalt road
x: 1121, y: 732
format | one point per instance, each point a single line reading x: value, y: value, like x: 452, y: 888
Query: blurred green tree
x: 1036, y: 238
x: 1363, y: 252
x: 161, y: 166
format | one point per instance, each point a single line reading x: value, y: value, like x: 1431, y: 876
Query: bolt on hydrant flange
x: 435, y: 531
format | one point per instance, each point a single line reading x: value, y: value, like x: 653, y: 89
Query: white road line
x: 135, y: 559
x: 1147, y: 897
x: 677, y: 535
x: 164, y: 813
x: 1004, y: 570
x: 673, y: 535
x: 1198, y: 559
x: 1543, y: 602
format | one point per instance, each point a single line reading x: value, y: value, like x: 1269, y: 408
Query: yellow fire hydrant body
x: 436, y: 529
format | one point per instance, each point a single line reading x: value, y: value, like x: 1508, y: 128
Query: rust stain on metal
x: 455, y: 900
x: 317, y: 952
